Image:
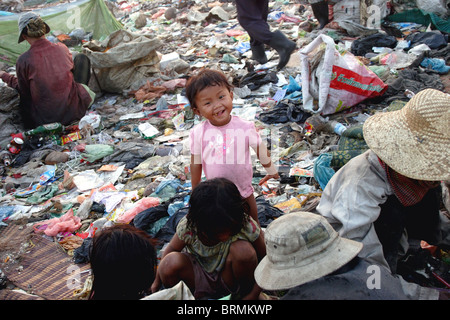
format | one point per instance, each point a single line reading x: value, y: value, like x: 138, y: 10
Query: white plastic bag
x: 178, y: 292
x: 333, y: 79
x: 92, y: 119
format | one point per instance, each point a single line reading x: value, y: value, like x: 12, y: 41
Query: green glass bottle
x: 46, y: 129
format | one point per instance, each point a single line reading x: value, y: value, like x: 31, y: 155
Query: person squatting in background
x: 52, y: 84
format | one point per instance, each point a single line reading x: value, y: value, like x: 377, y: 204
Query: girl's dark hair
x: 205, y: 78
x: 216, y: 206
x: 123, y: 263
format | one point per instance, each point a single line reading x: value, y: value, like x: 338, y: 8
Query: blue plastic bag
x: 5, y: 212
x: 435, y: 64
x: 322, y: 169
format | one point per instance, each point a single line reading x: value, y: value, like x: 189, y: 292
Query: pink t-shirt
x: 225, y: 151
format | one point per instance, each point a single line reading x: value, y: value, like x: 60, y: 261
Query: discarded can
x: 15, y: 145
x: 6, y: 157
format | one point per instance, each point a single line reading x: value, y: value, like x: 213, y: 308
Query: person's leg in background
x: 320, y: 10
x: 252, y: 16
x: 82, y: 72
x: 82, y: 68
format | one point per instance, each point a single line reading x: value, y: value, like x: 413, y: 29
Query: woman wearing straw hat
x: 47, y: 78
x: 394, y: 186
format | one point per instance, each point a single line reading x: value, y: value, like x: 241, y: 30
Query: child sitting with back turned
x: 220, y: 145
x: 223, y: 245
x: 122, y: 250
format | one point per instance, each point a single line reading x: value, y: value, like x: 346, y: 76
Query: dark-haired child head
x: 211, y: 96
x: 123, y: 263
x: 217, y: 210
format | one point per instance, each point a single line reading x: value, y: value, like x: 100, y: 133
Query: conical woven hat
x: 414, y: 141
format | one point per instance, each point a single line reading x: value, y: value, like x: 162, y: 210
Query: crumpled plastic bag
x: 433, y: 39
x: 42, y: 194
x: 398, y: 59
x: 290, y: 205
x: 266, y: 212
x: 254, y: 80
x: 284, y: 112
x: 365, y: 44
x: 149, y: 92
x: 81, y: 254
x: 292, y: 86
x: 67, y: 223
x: 87, y: 180
x: 167, y: 189
x: 138, y: 207
x: 94, y: 152
x: 322, y: 169
x: 145, y: 219
x: 85, y: 208
x: 93, y: 119
x: 5, y: 212
x: 178, y: 292
x: 436, y: 65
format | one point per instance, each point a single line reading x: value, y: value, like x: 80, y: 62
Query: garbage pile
x: 127, y: 160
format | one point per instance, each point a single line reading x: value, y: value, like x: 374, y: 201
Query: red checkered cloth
x: 408, y: 191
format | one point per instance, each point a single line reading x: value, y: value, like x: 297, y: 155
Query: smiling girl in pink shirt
x: 220, y: 145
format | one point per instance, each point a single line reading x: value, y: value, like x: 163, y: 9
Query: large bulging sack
x: 333, y: 79
x: 122, y: 59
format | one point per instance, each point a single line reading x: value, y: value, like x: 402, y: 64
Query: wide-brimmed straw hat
x: 24, y: 19
x: 301, y: 247
x: 415, y: 140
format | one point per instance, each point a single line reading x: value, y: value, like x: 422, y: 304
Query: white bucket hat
x: 415, y: 140
x: 23, y: 22
x: 301, y: 247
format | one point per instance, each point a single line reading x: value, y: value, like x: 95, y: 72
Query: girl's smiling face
x: 215, y: 103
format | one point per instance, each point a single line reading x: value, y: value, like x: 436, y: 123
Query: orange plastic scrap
x: 63, y: 37
x: 149, y: 92
x: 107, y: 187
x: 425, y: 245
x: 108, y: 167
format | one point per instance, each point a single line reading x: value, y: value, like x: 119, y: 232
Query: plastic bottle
x: 317, y: 123
x: 337, y: 127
